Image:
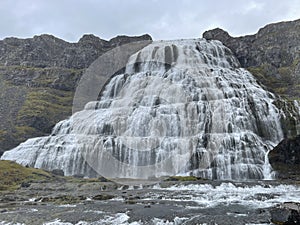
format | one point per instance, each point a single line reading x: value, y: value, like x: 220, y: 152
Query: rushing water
x: 180, y: 107
x: 220, y: 203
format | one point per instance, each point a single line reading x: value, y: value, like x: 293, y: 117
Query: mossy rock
x: 281, y: 80
x: 103, y: 197
x: 62, y: 200
x: 182, y: 178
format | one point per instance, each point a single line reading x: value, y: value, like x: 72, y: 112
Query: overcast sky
x: 162, y: 19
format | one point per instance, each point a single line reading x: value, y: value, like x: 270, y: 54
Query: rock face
x: 285, y: 158
x: 48, y: 51
x: 38, y: 77
x: 272, y: 55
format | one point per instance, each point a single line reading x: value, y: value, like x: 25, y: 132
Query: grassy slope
x: 12, y: 175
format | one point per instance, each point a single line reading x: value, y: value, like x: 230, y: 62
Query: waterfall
x: 297, y: 106
x: 180, y: 107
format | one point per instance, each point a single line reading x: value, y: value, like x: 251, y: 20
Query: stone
x: 80, y: 176
x: 103, y: 197
x: 25, y: 184
x: 285, y: 158
x: 286, y: 213
x: 103, y: 179
x: 58, y: 172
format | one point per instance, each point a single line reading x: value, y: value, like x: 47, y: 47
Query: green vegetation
x: 46, y: 96
x: 2, y: 134
x: 43, y: 108
x: 35, y: 99
x: 280, y: 80
x: 22, y: 133
x: 12, y: 175
x: 182, y: 178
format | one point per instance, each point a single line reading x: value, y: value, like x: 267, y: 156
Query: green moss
x: 43, y: 108
x: 281, y: 90
x: 23, y: 130
x: 182, y: 178
x: 35, y: 100
x: 278, y: 80
x: 63, y: 199
x: 2, y: 134
x: 260, y: 71
x: 22, y: 133
x: 12, y: 175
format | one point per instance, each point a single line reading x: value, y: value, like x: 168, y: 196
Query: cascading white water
x: 297, y: 106
x: 181, y: 107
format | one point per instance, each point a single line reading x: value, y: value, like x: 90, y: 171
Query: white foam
x: 10, y: 223
x: 257, y: 196
x: 176, y: 221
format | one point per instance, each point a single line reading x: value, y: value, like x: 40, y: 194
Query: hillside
x: 272, y: 55
x: 38, y: 77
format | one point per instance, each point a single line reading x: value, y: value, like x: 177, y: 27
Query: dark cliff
x: 272, y: 55
x: 285, y: 158
x: 38, y: 77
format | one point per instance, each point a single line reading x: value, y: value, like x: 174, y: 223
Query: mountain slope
x: 272, y: 55
x: 38, y: 77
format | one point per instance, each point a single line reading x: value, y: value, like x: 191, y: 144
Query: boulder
x: 58, y: 172
x: 285, y: 158
x: 286, y: 213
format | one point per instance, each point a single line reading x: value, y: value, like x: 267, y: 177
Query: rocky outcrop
x: 286, y: 213
x: 38, y: 77
x: 48, y: 51
x: 272, y: 55
x: 285, y: 158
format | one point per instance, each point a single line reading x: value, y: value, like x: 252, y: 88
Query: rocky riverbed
x: 92, y: 201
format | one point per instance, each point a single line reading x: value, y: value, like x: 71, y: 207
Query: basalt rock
x: 272, y: 55
x: 285, y: 158
x: 286, y: 213
x: 48, y: 51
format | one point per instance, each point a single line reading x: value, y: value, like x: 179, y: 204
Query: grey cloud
x: 163, y: 19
